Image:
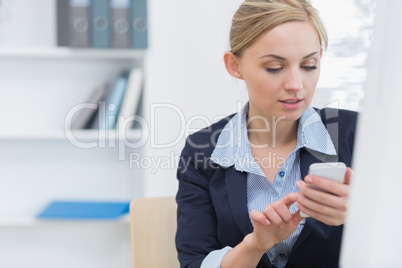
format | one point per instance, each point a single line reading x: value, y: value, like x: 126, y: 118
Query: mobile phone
x: 334, y: 171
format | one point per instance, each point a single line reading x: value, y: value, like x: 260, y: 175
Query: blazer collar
x: 233, y: 146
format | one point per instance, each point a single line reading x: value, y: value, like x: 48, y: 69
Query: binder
x: 120, y: 23
x: 62, y: 7
x: 139, y: 19
x: 100, y: 22
x: 79, y: 35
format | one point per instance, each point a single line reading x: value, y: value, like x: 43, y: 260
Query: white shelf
x: 71, y: 53
x: 85, y: 135
x: 29, y: 221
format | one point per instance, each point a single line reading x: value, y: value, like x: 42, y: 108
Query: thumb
x: 296, y: 218
x: 348, y: 175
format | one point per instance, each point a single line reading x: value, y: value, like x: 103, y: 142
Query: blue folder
x: 84, y: 210
x: 100, y: 20
x: 139, y: 18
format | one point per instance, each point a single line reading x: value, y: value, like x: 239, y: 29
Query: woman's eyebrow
x: 309, y: 55
x: 273, y: 56
x: 282, y: 58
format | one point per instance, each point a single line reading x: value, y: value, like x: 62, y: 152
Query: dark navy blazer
x: 212, y: 200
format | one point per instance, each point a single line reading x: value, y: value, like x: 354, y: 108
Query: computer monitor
x: 372, y: 235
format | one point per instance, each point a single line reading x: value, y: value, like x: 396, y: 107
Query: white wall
x: 27, y: 23
x: 185, y: 69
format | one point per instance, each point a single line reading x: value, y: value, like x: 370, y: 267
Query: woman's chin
x: 291, y: 116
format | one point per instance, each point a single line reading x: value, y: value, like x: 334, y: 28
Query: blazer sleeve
x: 196, y: 234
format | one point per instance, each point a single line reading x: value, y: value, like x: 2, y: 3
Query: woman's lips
x: 291, y: 104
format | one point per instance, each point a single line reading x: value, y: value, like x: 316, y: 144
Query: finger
x: 348, y: 175
x: 283, y: 210
x: 309, y: 212
x: 296, y: 217
x: 324, y: 198
x: 327, y: 185
x: 327, y: 219
x: 289, y: 199
x: 335, y: 209
x: 259, y: 217
x: 272, y: 215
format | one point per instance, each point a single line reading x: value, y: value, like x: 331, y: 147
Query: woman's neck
x: 264, y: 131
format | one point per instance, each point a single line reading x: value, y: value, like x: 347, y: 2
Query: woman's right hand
x: 274, y: 224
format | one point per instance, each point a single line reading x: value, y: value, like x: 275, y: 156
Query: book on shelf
x: 102, y: 23
x: 112, y: 105
x: 131, y: 99
x: 94, y: 122
x: 81, y: 210
x: 87, y: 113
x: 108, y: 115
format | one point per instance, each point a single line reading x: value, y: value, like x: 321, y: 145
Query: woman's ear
x: 232, y: 65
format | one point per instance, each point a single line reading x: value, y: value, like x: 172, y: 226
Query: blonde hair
x: 256, y: 17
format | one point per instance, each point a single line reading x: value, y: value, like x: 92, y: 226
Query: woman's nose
x: 293, y: 80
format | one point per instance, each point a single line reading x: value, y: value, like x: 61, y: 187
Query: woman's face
x: 281, y: 71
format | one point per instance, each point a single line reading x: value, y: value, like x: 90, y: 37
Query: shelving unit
x: 42, y: 161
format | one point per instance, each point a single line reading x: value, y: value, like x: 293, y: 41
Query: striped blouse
x: 233, y: 148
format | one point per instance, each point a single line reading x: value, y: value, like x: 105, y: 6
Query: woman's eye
x: 274, y: 70
x: 309, y: 68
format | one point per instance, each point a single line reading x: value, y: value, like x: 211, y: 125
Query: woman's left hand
x: 329, y: 208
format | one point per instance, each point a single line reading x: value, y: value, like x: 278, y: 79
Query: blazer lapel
x: 308, y: 157
x: 236, y: 188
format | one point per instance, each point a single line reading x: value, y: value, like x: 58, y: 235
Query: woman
x: 242, y: 181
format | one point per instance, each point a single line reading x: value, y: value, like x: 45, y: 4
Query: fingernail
x: 267, y: 221
x: 308, y: 179
x: 298, y: 183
